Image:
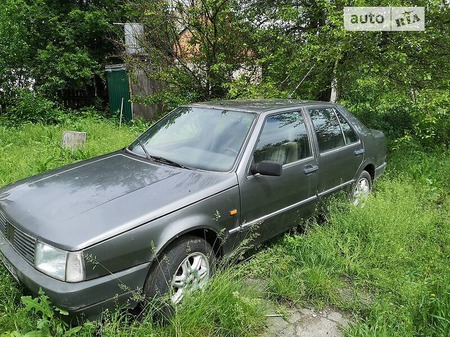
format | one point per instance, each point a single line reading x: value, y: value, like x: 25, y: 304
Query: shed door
x: 119, y: 93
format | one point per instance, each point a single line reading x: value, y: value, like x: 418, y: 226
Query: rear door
x: 340, y: 151
x: 274, y: 204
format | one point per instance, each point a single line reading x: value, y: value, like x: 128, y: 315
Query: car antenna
x: 293, y: 91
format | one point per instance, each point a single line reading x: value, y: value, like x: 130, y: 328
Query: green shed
x: 119, y: 91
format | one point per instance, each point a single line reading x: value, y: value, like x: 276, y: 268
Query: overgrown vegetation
x: 386, y: 265
x: 53, y: 46
x: 395, y: 81
x: 209, y: 49
x: 28, y: 149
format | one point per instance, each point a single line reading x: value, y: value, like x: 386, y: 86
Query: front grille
x: 22, y: 242
x: 3, y: 225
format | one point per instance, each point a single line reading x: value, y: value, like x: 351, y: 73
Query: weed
x: 45, y: 317
x: 227, y: 307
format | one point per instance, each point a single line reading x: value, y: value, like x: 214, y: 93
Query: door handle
x: 308, y: 169
x: 359, y: 152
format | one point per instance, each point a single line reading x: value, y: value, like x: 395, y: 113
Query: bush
x: 432, y: 118
x: 30, y: 106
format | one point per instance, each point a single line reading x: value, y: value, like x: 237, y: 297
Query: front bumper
x: 88, y: 298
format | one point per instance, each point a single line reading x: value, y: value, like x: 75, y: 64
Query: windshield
x: 199, y: 138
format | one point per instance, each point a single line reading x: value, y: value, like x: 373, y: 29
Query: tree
x: 400, y: 81
x: 397, y: 81
x: 55, y: 45
x: 193, y: 46
x: 15, y: 53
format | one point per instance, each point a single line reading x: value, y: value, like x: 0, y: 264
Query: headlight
x: 58, y: 263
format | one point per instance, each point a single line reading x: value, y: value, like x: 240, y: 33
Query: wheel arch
x: 370, y: 168
x: 208, y: 234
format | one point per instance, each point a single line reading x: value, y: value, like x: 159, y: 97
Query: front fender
x: 143, y: 243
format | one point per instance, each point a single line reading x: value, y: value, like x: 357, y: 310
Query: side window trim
x: 309, y: 133
x: 339, y: 114
x: 340, y: 127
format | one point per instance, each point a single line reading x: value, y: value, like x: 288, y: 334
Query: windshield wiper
x: 158, y: 158
x: 168, y: 161
x: 147, y: 155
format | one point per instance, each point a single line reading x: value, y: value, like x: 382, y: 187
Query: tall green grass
x: 386, y: 264
x: 29, y: 149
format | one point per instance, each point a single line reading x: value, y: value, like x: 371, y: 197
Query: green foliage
x: 395, y: 81
x: 430, y: 170
x: 169, y: 98
x: 193, y: 50
x: 432, y: 118
x: 10, y: 318
x: 55, y: 45
x: 47, y: 324
x: 37, y: 317
x: 388, y: 262
x: 29, y: 149
x: 15, y: 48
x: 59, y: 69
x: 29, y: 106
x: 227, y: 307
x: 240, y: 89
x: 399, y: 82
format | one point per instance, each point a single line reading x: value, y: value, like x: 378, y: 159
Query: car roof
x: 257, y: 106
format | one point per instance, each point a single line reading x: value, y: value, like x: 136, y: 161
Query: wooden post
x: 73, y: 139
x: 121, y: 113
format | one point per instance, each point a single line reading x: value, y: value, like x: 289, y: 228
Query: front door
x: 270, y: 205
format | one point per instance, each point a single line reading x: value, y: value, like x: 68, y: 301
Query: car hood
x: 79, y: 205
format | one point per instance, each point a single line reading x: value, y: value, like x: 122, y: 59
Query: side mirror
x: 267, y: 168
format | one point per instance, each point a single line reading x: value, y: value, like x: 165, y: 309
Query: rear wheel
x: 362, y: 189
x: 185, y: 266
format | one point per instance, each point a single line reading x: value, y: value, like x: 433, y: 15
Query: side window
x: 331, y: 128
x: 284, y: 139
x: 349, y: 133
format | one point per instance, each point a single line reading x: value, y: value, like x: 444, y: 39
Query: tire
x: 361, y: 189
x: 185, y: 266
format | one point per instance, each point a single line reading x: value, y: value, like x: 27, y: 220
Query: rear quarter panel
x: 374, y: 141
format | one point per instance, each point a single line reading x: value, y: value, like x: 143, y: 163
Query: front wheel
x: 362, y: 189
x: 185, y: 266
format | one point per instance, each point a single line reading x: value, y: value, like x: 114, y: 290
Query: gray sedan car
x: 154, y: 217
